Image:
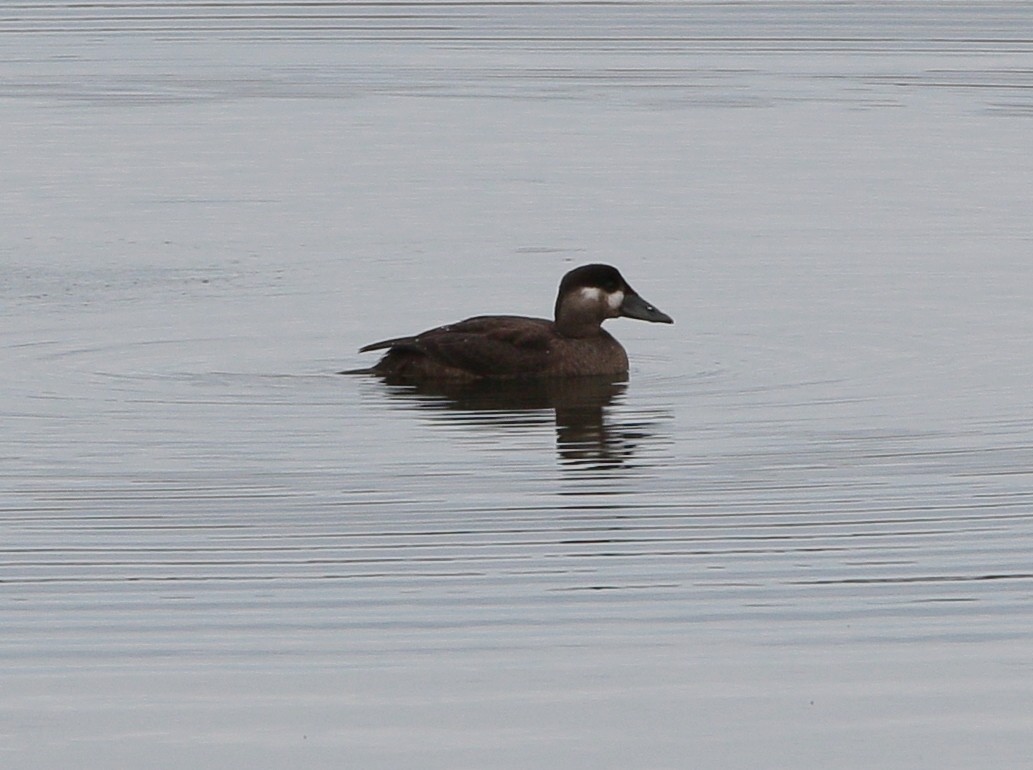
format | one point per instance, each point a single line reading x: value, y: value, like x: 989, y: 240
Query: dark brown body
x: 499, y: 347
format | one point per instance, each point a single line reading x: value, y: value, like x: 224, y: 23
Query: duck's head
x: 592, y: 293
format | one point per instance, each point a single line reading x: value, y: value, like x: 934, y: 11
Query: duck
x: 510, y: 347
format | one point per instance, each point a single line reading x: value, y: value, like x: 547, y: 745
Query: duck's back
x: 503, y: 347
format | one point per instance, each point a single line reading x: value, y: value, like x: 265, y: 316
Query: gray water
x: 799, y: 536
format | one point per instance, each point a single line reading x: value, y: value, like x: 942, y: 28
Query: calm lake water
x: 800, y: 535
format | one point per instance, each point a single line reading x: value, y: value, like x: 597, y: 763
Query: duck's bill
x: 634, y: 306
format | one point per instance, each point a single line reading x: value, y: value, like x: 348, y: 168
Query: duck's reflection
x: 586, y: 431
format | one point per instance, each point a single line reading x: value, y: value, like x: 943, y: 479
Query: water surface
x: 798, y: 536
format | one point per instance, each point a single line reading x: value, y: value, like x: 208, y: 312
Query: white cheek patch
x: 593, y: 295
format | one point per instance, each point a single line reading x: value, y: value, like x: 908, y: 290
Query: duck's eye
x: 611, y: 287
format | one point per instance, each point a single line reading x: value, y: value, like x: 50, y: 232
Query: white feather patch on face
x: 593, y: 295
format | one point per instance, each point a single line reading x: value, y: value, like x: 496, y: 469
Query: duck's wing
x: 497, y: 346
x: 484, y: 346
